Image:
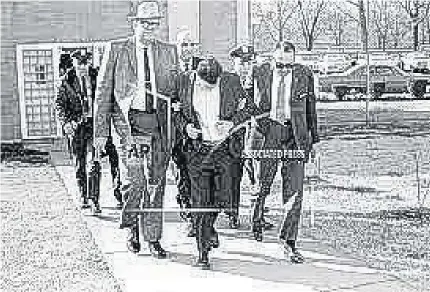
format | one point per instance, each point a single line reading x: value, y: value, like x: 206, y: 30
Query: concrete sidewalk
x: 239, y: 262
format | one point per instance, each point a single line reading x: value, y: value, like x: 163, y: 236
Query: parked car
x: 383, y: 79
x: 415, y: 61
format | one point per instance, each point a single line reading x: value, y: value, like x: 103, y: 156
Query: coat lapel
x: 131, y: 51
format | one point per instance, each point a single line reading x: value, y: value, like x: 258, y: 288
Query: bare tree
x: 382, y: 20
x: 418, y: 11
x: 359, y: 16
x: 274, y: 16
x: 310, y: 16
x: 399, y: 27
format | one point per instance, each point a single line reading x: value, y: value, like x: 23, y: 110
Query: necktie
x: 149, y: 99
x: 280, y: 104
x: 84, y: 86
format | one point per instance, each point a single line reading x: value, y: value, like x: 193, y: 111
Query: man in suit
x: 212, y: 103
x: 74, y: 106
x: 286, y: 91
x: 188, y: 51
x: 132, y: 70
x: 244, y: 58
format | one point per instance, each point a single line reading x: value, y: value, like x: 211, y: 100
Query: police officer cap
x: 81, y: 55
x: 244, y: 52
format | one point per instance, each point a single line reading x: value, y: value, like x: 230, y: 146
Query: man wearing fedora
x: 132, y: 70
x: 285, y: 90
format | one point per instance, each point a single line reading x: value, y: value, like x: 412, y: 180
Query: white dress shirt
x: 139, y: 101
x: 206, y: 102
x: 287, y: 81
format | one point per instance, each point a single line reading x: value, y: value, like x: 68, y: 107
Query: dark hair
x: 288, y: 46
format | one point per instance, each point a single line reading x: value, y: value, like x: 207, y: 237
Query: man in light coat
x: 132, y: 70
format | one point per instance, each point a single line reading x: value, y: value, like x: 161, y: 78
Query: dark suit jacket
x: 303, y: 110
x: 70, y: 99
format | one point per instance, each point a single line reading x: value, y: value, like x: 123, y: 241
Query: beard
x: 209, y: 75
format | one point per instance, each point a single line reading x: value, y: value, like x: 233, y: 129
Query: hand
x: 100, y: 143
x: 224, y: 126
x: 192, y: 132
x: 176, y: 106
x: 74, y: 125
x: 241, y: 104
x: 68, y: 129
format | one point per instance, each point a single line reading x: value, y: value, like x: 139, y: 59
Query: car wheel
x: 419, y: 88
x: 378, y: 90
x: 340, y: 92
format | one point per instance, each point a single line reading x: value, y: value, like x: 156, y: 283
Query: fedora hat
x: 145, y: 10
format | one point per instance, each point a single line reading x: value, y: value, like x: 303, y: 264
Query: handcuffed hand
x: 224, y: 127
x: 241, y: 104
x: 192, y: 132
x: 68, y: 129
x: 176, y: 106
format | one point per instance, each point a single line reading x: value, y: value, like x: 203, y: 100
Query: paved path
x: 239, y: 262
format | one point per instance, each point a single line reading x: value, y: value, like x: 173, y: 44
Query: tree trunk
x: 363, y: 25
x: 310, y: 43
x: 280, y: 37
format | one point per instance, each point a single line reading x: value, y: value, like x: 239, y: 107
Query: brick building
x: 34, y: 34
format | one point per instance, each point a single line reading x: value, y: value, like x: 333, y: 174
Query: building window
x: 41, y: 73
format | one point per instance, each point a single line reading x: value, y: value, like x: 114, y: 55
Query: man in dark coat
x: 212, y: 103
x: 285, y: 90
x: 74, y: 106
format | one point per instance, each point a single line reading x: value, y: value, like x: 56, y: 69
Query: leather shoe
x: 133, y: 244
x: 257, y: 230
x: 156, y: 250
x: 203, y: 261
x: 297, y: 258
x: 97, y: 209
x: 85, y: 204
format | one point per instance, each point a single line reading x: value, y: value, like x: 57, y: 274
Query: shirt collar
x: 200, y: 82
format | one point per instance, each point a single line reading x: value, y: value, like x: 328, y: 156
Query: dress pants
x: 281, y: 137
x: 81, y: 148
x: 143, y: 164
x: 212, y: 174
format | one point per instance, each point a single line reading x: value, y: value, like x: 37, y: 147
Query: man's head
x: 209, y: 69
x: 81, y: 60
x: 243, y: 57
x: 284, y: 53
x: 145, y: 19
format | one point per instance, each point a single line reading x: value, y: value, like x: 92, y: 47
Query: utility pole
x: 367, y: 65
x: 281, y: 36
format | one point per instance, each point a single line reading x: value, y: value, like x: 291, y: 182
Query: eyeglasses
x: 147, y: 23
x: 189, y: 44
x: 283, y: 66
